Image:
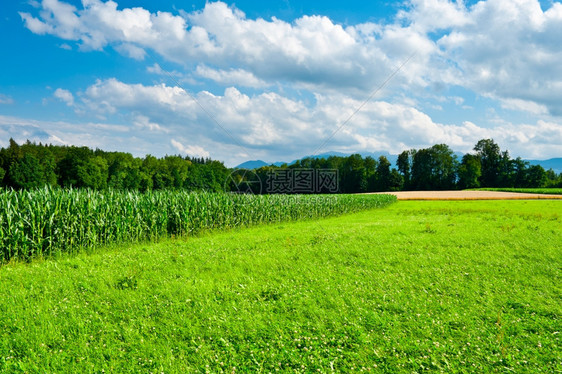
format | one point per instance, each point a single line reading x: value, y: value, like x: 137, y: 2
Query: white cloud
x: 283, y: 128
x: 190, y: 150
x: 510, y: 50
x: 35, y: 25
x: 64, y: 96
x: 525, y: 106
x: 143, y: 122
x: 106, y: 136
x: 131, y: 50
x: 505, y: 50
x: 432, y: 15
x: 237, y: 77
x: 501, y: 48
x: 157, y: 69
x: 311, y: 50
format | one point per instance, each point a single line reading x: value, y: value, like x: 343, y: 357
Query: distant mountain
x: 255, y: 164
x: 553, y: 163
x: 375, y: 155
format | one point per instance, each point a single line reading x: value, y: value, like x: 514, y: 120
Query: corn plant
x: 48, y: 221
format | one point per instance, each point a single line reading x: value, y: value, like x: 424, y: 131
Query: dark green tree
x: 507, y: 171
x: 124, y: 171
x: 404, y: 165
x: 422, y: 170
x: 371, y: 173
x: 92, y: 173
x: 396, y: 181
x: 353, y: 176
x: 26, y: 173
x: 434, y: 168
x: 490, y: 158
x: 469, y: 172
x: 383, y: 176
x: 444, y: 167
x: 552, y: 180
x: 70, y: 168
x: 519, y: 172
x: 536, y: 177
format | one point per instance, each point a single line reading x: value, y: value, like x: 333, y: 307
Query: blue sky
x: 279, y: 80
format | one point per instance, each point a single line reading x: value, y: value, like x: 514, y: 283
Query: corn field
x: 45, y: 222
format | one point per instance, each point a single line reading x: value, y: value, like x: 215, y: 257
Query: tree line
x: 33, y: 165
x: 433, y: 168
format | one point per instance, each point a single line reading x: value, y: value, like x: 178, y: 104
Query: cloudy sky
x: 282, y: 79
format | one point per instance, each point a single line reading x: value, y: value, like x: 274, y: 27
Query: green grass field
x: 463, y: 286
x: 550, y: 191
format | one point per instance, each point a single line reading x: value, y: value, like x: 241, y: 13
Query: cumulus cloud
x: 510, y: 50
x: 131, y: 50
x: 237, y: 77
x: 501, y: 48
x: 157, y: 69
x: 190, y: 150
x: 144, y: 123
x: 269, y: 123
x: 505, y: 50
x: 104, y: 135
x: 312, y: 49
x: 65, y: 96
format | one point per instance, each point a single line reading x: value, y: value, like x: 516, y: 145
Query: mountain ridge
x: 551, y: 163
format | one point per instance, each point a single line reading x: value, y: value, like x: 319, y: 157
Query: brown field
x: 468, y: 195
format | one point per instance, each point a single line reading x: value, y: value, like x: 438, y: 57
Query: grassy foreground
x: 462, y: 286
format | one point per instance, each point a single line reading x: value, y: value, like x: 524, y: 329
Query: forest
x: 32, y: 165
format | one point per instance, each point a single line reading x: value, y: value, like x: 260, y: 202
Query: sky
x: 279, y: 80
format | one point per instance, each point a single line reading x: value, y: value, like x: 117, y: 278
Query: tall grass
x: 48, y: 221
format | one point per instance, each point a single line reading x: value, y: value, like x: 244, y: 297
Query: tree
x: 49, y: 167
x: 444, y: 166
x: 490, y: 157
x: 370, y: 172
x: 353, y: 177
x: 92, y: 173
x: 383, y: 176
x: 396, y: 181
x: 421, y: 170
x: 70, y: 168
x: 404, y: 164
x: 26, y: 173
x: 552, y: 180
x: 434, y: 168
x: 519, y: 170
x: 536, y: 177
x: 469, y: 172
x: 123, y: 172
x: 178, y: 169
x: 506, y: 171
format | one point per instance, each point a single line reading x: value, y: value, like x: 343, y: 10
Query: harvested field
x: 469, y: 195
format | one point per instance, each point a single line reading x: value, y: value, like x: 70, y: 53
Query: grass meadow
x: 418, y: 286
